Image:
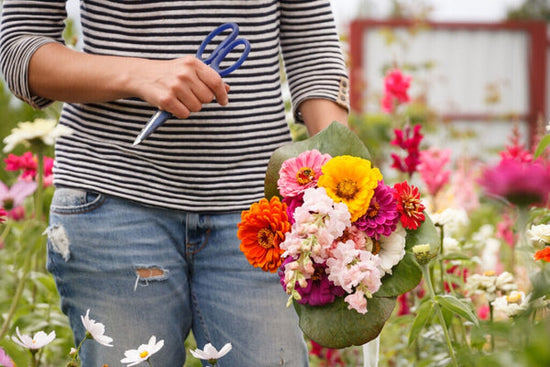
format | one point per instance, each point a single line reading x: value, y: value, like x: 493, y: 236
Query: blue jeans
x: 146, y: 271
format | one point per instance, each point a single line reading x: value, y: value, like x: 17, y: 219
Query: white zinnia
x: 453, y: 220
x: 46, y: 130
x: 143, y: 353
x: 512, y: 304
x: 39, y: 339
x: 96, y: 330
x: 209, y: 353
x: 392, y: 249
x: 539, y: 235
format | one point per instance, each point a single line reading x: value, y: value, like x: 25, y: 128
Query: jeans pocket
x: 75, y: 201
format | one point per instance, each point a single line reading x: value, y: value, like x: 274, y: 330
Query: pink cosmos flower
x: 12, y: 198
x: 396, y: 86
x: 300, y: 173
x: 409, y: 140
x: 5, y: 360
x: 521, y: 183
x: 382, y: 216
x: 432, y: 168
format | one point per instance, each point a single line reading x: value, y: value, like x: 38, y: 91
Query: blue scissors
x: 214, y: 60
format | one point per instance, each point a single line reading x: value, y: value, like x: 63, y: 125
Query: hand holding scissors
x: 214, y: 60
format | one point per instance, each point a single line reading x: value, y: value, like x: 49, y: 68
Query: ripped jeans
x: 144, y: 271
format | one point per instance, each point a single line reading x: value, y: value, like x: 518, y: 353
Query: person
x: 144, y: 237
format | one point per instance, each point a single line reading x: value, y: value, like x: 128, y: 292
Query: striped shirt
x: 213, y: 161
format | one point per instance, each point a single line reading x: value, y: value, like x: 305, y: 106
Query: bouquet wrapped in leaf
x: 338, y: 236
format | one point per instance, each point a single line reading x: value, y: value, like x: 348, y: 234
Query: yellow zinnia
x: 350, y: 180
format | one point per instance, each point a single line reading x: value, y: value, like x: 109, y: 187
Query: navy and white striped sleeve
x: 312, y: 53
x: 23, y: 31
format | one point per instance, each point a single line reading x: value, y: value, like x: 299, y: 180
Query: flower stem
x: 38, y: 196
x: 16, y: 297
x: 426, y: 273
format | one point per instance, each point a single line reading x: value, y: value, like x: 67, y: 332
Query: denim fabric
x: 193, y: 276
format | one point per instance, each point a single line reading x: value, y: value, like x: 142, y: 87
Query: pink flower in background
x: 521, y: 183
x: 27, y: 163
x: 300, y: 173
x: 12, y: 198
x: 432, y: 168
x: 516, y: 150
x: 3, y: 215
x: 505, y: 230
x: 463, y: 184
x: 396, y: 86
x: 409, y: 140
x: 5, y: 360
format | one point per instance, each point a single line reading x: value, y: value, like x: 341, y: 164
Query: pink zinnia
x: 432, y: 168
x: 293, y: 202
x: 382, y: 216
x: 28, y: 164
x: 396, y: 86
x: 521, y: 183
x: 300, y: 173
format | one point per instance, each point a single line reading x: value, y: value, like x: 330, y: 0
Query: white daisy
x: 143, y: 353
x: 209, y: 353
x: 45, y: 130
x: 96, y: 330
x: 39, y: 339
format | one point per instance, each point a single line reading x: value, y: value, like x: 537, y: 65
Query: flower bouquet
x: 338, y: 236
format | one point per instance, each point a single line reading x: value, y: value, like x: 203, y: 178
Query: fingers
x: 189, y: 87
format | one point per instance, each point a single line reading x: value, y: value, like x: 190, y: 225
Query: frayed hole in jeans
x: 146, y: 274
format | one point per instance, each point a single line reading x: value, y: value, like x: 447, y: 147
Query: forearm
x: 320, y: 113
x: 179, y: 86
x: 59, y: 73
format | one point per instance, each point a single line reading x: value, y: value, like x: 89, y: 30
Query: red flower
x: 409, y: 205
x: 396, y: 86
x: 3, y: 215
x: 409, y: 140
x: 543, y: 254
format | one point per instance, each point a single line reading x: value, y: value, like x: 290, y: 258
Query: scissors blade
x: 156, y: 120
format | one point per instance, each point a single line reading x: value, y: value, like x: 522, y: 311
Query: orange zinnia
x: 261, y: 230
x: 543, y: 254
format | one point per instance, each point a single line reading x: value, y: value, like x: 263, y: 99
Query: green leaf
x: 335, y: 326
x: 423, y: 315
x: 425, y: 234
x: 405, y: 276
x: 335, y: 140
x: 542, y: 145
x: 457, y: 307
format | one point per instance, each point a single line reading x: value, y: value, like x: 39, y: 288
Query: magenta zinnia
x: 298, y: 174
x: 382, y: 216
x: 521, y: 183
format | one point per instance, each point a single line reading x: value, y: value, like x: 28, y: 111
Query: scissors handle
x: 224, y: 48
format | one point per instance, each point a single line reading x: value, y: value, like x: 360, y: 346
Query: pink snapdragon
x: 432, y: 168
x: 396, y: 86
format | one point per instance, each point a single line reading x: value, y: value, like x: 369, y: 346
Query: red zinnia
x: 543, y: 254
x: 409, y: 205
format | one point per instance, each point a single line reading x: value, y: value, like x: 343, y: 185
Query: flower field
x: 485, y: 280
